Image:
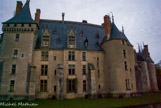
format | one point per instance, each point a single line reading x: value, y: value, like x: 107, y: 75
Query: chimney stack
x: 18, y: 7
x: 63, y: 14
x: 107, y: 26
x: 146, y: 50
x: 84, y: 21
x: 37, y: 15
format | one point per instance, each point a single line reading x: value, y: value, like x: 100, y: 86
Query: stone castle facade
x: 43, y: 59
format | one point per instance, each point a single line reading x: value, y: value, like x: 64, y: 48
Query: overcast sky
x: 141, y: 18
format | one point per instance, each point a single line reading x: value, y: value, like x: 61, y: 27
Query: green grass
x: 148, y: 98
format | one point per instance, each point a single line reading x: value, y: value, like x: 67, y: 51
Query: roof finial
x: 112, y: 17
x: 122, y: 29
x: 27, y: 1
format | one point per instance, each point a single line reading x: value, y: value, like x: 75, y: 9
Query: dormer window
x: 81, y: 33
x: 97, y: 35
x: 97, y: 43
x: 46, y: 39
x: 59, y: 40
x: 71, y: 40
x: 42, y: 26
x: 86, y: 42
x: 54, y: 32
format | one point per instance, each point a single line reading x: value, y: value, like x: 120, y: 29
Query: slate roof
x: 148, y: 59
x: 116, y: 34
x: 24, y: 16
x: 58, y: 34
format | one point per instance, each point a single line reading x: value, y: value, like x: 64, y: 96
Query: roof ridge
x: 50, y: 20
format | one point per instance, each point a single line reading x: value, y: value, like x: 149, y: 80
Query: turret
x: 151, y: 69
x: 119, y: 62
x: 20, y: 34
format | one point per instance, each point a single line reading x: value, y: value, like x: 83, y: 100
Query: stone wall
x: 62, y: 58
x: 115, y: 68
x: 25, y: 47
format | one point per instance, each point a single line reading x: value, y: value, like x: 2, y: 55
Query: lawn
x: 148, y: 98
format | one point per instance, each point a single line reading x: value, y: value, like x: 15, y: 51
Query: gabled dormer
x: 71, y: 38
x: 45, y: 42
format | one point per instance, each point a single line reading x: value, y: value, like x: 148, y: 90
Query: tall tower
x: 151, y: 69
x: 20, y: 34
x: 119, y: 61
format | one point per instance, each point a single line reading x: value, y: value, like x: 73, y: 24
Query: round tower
x: 151, y: 70
x: 119, y: 62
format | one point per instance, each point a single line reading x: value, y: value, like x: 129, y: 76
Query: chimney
x: 18, y: 7
x: 63, y: 14
x: 107, y: 26
x: 37, y: 15
x: 84, y: 21
x: 146, y: 50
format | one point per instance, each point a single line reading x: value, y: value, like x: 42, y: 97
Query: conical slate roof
x: 148, y: 59
x: 116, y: 34
x: 24, y: 16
